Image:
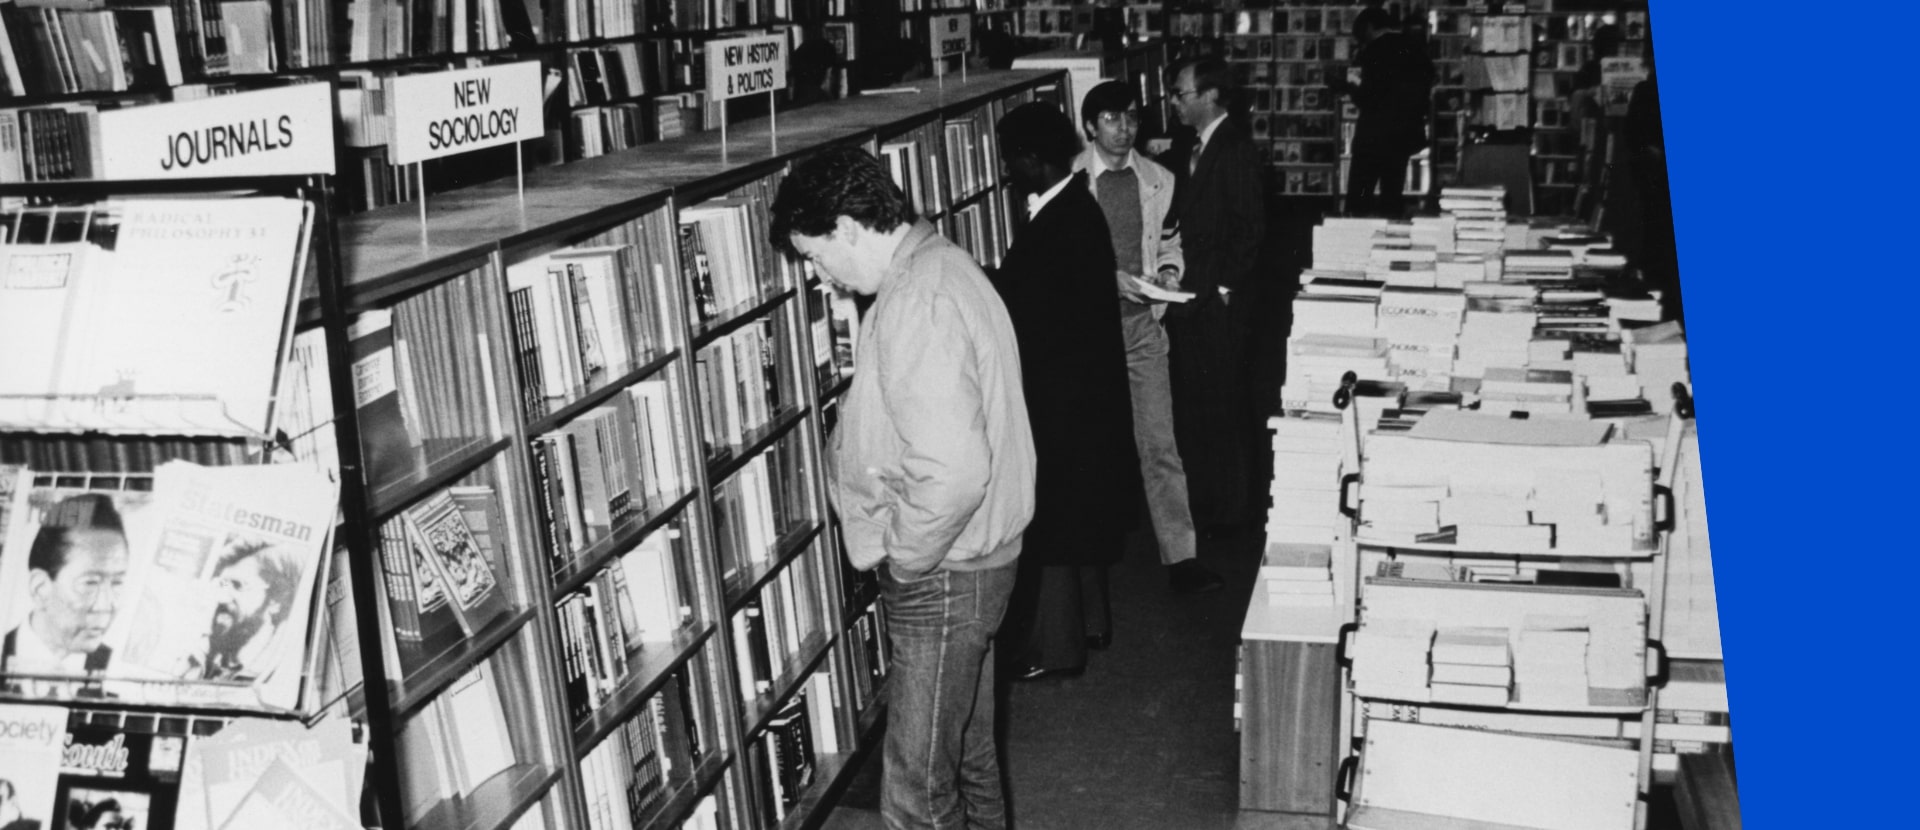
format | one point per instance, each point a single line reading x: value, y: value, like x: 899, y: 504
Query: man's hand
x: 1129, y: 290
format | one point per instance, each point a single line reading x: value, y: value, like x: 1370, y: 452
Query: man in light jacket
x: 1136, y: 194
x: 932, y: 473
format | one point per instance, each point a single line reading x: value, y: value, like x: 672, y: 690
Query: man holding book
x: 1136, y: 197
x: 931, y: 473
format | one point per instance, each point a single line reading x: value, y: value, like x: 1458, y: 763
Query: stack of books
x: 1550, y: 664
x: 1298, y: 575
x: 1659, y: 356
x: 1479, y: 217
x: 1407, y: 514
x: 1547, y: 264
x: 1343, y: 243
x: 1422, y: 328
x: 1306, y: 480
x: 1390, y: 658
x: 1471, y: 666
x: 1317, y: 362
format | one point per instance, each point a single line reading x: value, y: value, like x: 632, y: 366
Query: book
x: 460, y: 560
x: 189, y: 335
x: 228, y: 589
x: 32, y: 741
x: 101, y: 529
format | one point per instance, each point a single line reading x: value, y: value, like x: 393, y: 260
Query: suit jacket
x: 1057, y: 283
x: 1396, y: 84
x: 1222, y: 211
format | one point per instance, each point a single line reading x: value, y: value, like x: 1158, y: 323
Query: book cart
x: 1458, y: 708
x: 624, y: 390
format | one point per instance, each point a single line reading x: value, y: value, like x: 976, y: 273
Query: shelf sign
x: 447, y: 113
x: 746, y: 66
x: 287, y: 131
x: 952, y: 33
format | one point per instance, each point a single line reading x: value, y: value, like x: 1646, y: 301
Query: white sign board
x: 951, y: 35
x: 273, y: 132
x: 446, y: 113
x: 746, y: 66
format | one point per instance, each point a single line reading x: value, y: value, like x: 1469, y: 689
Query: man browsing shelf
x: 257, y: 584
x: 76, y: 571
x: 1136, y: 196
x: 931, y: 473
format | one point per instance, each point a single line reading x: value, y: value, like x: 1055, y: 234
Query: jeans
x: 1160, y: 468
x: 941, y: 770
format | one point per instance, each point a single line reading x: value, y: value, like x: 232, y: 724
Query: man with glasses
x: 1221, y: 209
x: 1136, y: 195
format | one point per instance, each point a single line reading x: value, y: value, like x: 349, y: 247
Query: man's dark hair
x: 278, y: 568
x: 1209, y: 72
x: 87, y: 511
x: 838, y: 181
x: 1111, y: 96
x: 1039, y: 129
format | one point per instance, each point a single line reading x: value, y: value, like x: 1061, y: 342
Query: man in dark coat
x: 1222, y: 212
x: 1396, y: 79
x: 1058, y: 286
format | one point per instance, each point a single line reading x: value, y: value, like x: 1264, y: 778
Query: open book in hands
x: 1152, y: 291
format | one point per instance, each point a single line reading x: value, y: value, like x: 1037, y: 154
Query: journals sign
x: 274, y: 132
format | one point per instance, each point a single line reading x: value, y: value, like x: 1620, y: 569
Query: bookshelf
x: 613, y: 378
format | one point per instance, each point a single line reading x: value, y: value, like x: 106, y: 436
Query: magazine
x: 71, y: 554
x: 228, y: 591
x: 31, y: 741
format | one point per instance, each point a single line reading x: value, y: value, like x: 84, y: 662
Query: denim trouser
x: 1160, y: 467
x: 941, y: 771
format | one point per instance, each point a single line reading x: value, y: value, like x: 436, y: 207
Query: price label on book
x: 951, y: 35
x: 274, y: 132
x: 447, y: 113
x: 746, y: 66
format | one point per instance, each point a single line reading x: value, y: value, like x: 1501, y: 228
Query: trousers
x: 941, y: 771
x: 1160, y: 467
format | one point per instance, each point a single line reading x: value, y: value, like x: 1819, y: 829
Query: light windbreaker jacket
x: 933, y: 459
x: 1159, y: 239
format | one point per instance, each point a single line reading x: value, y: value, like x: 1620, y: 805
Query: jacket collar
x: 920, y: 235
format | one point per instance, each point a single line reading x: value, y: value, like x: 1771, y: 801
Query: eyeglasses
x: 1181, y: 94
x: 1113, y: 119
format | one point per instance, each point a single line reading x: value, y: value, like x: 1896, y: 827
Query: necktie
x: 1193, y: 161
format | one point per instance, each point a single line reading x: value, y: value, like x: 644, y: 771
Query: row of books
x: 763, y: 502
x: 47, y: 50
x: 442, y: 563
x: 937, y: 165
x: 771, y: 626
x: 743, y: 383
x: 787, y: 747
x: 607, y: 468
x: 641, y: 597
x: 720, y: 256
x: 1566, y: 664
x: 833, y: 320
x: 463, y: 738
x: 976, y: 230
x: 870, y: 652
x: 629, y: 776
x: 1285, y: 48
x: 579, y: 319
x: 425, y: 391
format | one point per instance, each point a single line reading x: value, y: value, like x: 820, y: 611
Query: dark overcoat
x: 1221, y: 209
x: 1057, y: 281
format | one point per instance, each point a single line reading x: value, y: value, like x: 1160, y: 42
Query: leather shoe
x: 1099, y: 642
x: 1191, y: 577
x: 1025, y: 673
